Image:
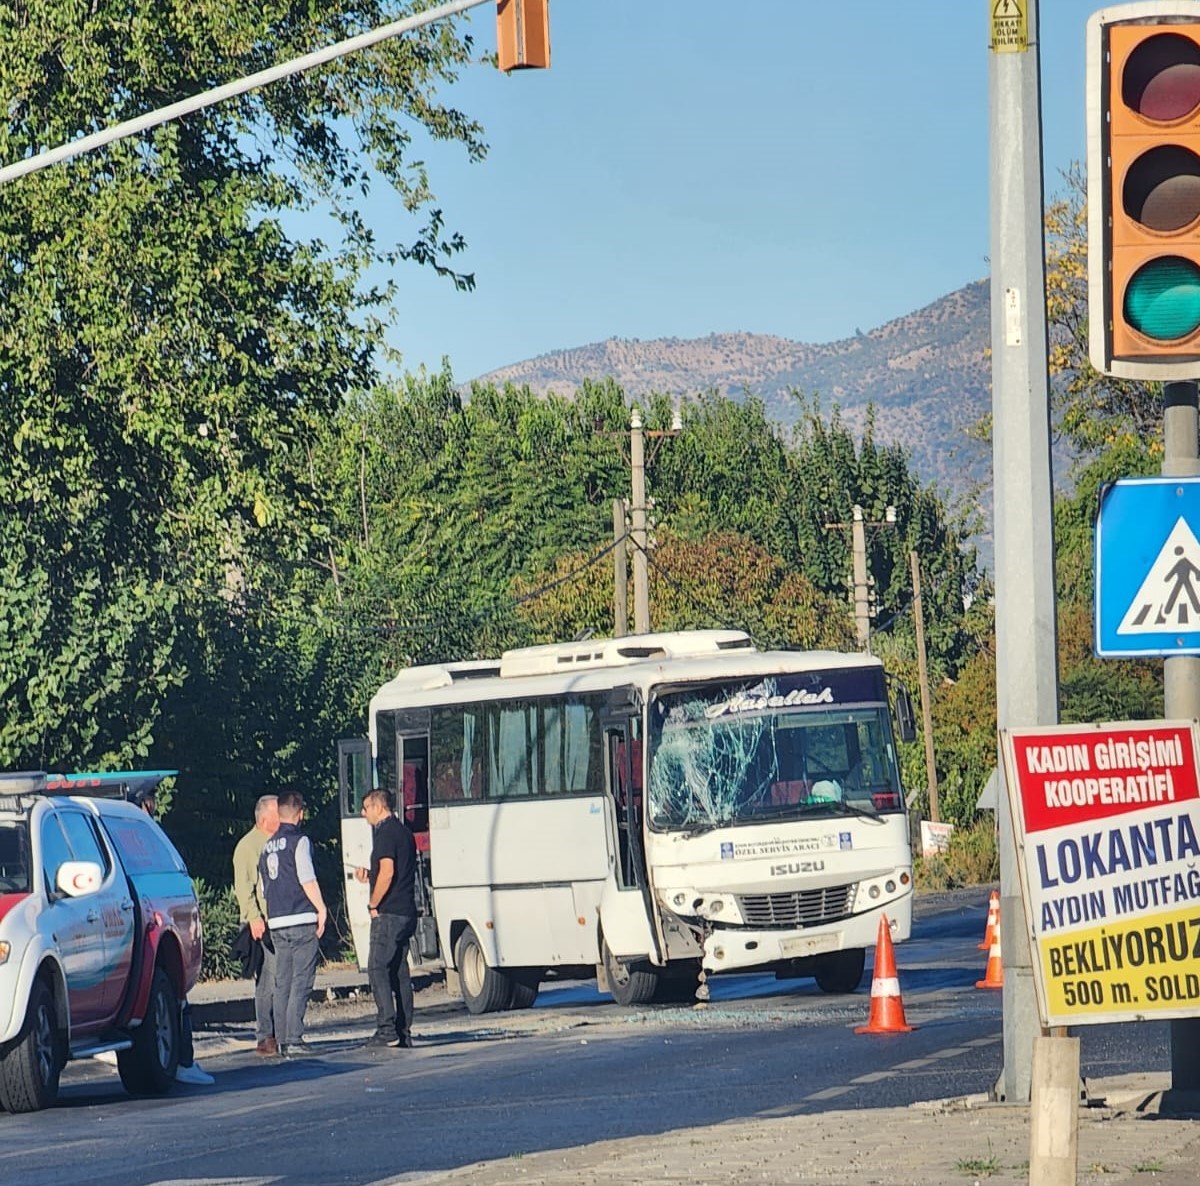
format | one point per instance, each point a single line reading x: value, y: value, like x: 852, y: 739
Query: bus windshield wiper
x: 841, y: 807
x: 849, y: 809
x: 699, y: 829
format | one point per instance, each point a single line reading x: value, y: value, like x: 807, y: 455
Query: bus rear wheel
x: 841, y: 971
x: 525, y: 983
x: 631, y: 983
x: 484, y: 989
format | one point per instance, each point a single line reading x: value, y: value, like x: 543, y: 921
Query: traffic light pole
x: 162, y: 115
x: 1181, y: 674
x: 1026, y: 634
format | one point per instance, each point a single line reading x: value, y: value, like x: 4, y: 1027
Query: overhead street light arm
x: 131, y: 127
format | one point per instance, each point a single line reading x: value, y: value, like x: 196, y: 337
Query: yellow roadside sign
x: 1010, y: 26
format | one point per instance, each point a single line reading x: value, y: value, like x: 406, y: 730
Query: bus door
x: 627, y: 916
x: 412, y: 805
x: 355, y: 779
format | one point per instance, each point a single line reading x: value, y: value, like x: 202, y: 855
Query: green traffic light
x: 1162, y: 300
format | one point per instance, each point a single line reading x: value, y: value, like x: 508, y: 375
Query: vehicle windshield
x: 774, y: 749
x: 14, y: 857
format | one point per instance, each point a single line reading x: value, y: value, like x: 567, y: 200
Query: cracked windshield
x: 778, y: 748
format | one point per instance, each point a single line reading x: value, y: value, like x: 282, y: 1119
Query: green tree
x: 168, y: 348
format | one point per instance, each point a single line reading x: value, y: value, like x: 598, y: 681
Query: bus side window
x: 447, y: 782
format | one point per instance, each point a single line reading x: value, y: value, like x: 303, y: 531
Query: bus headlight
x: 5, y: 948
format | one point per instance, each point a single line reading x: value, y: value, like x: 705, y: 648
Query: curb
x: 239, y: 1007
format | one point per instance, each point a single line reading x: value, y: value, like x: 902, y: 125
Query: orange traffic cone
x: 993, y: 921
x: 887, y: 1009
x: 994, y: 976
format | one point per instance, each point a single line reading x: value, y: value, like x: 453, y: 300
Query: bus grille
x: 806, y: 908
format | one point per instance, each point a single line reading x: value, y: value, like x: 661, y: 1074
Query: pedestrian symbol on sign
x: 1169, y: 597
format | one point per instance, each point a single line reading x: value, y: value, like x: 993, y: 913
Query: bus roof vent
x: 441, y: 675
x: 617, y: 652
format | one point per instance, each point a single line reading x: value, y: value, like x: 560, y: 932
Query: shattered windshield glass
x: 14, y: 858
x: 785, y: 747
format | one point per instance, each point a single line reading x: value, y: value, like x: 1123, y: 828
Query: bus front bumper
x: 731, y: 949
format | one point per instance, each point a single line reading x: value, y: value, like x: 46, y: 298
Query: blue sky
x: 696, y: 166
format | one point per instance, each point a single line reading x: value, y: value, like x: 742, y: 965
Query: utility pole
x: 620, y: 572
x: 1026, y: 633
x: 641, y: 572
x: 639, y: 509
x: 861, y: 580
x: 862, y: 604
x: 923, y: 677
x: 1181, y: 673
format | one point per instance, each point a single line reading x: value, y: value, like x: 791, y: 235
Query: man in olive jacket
x: 254, y: 916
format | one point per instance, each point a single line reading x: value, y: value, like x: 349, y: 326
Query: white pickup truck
x: 99, y: 934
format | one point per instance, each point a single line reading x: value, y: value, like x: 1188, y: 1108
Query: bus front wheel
x: 841, y: 971
x: 631, y: 983
x: 484, y: 989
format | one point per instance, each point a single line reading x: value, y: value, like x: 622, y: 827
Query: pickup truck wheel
x: 148, y: 1066
x: 30, y: 1066
x: 484, y: 989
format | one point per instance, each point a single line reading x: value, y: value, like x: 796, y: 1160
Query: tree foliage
x: 168, y: 348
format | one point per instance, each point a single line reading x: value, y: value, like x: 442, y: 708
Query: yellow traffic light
x: 1144, y: 190
x: 523, y: 34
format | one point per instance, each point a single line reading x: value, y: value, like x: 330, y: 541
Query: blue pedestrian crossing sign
x: 1148, y: 568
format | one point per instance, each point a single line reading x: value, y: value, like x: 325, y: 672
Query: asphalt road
x: 573, y: 1070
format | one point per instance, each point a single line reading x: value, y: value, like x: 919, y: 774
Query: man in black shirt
x: 393, y: 909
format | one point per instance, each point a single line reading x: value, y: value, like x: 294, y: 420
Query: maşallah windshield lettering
x: 755, y: 702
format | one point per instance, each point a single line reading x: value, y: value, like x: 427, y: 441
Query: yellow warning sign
x: 1127, y: 968
x: 1010, y: 27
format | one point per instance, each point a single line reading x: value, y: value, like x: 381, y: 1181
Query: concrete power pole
x: 641, y: 572
x: 1181, y: 674
x: 1026, y: 630
x: 862, y: 604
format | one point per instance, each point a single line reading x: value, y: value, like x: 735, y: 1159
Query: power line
x: 683, y: 592
x: 592, y: 560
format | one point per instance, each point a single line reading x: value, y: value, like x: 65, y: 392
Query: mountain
x: 926, y: 372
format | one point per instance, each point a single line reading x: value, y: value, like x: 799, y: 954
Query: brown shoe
x: 267, y: 1046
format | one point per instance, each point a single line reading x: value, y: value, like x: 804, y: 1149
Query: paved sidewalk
x: 926, y: 1145
x: 1125, y: 1136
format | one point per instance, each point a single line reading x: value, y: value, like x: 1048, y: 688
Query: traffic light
x: 522, y: 34
x: 1143, y: 98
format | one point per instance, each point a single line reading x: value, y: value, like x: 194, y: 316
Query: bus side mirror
x: 906, y: 722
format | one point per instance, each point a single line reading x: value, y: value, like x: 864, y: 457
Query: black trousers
x: 387, y: 973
